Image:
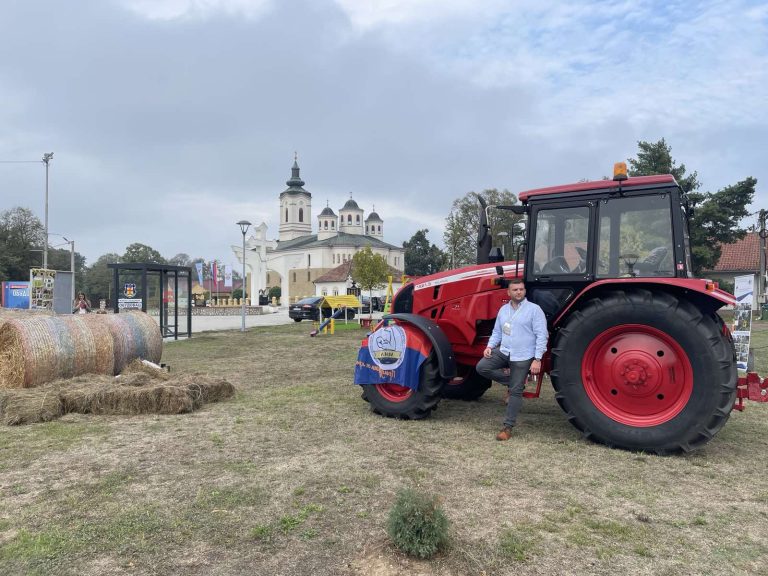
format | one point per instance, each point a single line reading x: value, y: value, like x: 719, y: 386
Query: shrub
x: 417, y: 524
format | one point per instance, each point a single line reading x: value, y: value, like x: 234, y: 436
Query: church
x: 299, y: 257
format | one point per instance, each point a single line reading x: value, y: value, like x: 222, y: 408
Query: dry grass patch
x: 295, y: 476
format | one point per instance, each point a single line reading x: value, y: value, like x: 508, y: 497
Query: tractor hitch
x: 752, y: 388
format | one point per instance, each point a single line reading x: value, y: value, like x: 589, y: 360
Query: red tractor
x: 638, y: 356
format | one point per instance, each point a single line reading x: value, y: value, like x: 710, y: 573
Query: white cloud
x: 175, y: 9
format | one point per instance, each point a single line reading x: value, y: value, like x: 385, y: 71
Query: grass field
x: 296, y: 476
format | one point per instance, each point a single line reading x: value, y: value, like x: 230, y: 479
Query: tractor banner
x: 391, y: 355
x: 742, y: 319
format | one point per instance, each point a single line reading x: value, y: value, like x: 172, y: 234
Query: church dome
x: 327, y: 211
x: 373, y: 217
x: 351, y: 205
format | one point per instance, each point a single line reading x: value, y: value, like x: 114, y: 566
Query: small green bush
x: 417, y: 524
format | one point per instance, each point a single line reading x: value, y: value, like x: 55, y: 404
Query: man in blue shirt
x: 515, y: 347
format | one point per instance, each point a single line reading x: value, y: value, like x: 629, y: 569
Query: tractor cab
x: 625, y: 228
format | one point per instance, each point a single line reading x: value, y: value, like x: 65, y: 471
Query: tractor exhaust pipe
x: 483, y: 233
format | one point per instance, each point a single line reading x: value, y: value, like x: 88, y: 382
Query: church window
x: 286, y: 214
x: 325, y: 291
x: 333, y: 224
x: 335, y: 291
x: 357, y: 219
x: 309, y: 260
x: 366, y: 229
x: 294, y: 276
x: 349, y: 218
x: 325, y: 225
x: 379, y: 229
x: 301, y: 214
x: 308, y: 276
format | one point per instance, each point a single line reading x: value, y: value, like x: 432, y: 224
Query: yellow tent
x: 334, y: 302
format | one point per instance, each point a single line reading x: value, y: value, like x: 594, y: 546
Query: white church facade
x: 300, y: 256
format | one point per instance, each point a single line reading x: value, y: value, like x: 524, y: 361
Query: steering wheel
x: 558, y: 265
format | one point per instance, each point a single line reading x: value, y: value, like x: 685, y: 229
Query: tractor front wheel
x: 397, y: 401
x: 644, y: 370
x: 468, y: 384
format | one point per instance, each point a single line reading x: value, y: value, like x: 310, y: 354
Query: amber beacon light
x: 620, y: 171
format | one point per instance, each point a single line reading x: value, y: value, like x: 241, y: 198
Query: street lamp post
x: 46, y: 160
x: 244, y: 224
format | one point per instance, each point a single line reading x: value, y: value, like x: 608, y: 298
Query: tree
x: 460, y: 235
x: 716, y: 215
x: 98, y: 278
x: 22, y: 236
x: 137, y: 252
x: 421, y: 258
x: 181, y: 259
x: 369, y: 270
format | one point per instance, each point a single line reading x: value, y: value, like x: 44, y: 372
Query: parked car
x: 309, y: 309
x: 376, y: 301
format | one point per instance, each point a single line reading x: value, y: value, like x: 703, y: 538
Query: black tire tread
x: 708, y: 327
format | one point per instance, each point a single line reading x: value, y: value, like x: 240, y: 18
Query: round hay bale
x: 37, y: 349
x: 135, y: 335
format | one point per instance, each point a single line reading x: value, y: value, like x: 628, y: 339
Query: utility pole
x: 46, y: 160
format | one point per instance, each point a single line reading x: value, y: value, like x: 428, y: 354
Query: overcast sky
x: 170, y: 120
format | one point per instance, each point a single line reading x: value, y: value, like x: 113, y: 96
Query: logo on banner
x: 387, y: 347
x: 130, y: 290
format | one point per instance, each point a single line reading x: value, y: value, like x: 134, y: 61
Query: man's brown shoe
x: 505, y: 434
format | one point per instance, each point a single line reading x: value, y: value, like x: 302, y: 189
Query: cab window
x: 635, y: 237
x: 561, y: 241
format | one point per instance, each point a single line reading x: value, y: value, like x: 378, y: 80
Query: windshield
x: 313, y: 300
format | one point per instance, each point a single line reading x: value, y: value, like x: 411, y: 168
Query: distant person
x: 515, y: 347
x: 81, y: 305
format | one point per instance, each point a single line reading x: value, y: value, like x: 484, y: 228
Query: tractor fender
x: 702, y: 291
x: 443, y: 349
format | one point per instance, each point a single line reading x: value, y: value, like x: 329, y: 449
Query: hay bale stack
x: 29, y: 406
x: 118, y: 399
x: 35, y: 348
x: 135, y: 335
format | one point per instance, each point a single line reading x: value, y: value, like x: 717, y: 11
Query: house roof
x: 339, y: 239
x: 343, y: 271
x: 740, y: 256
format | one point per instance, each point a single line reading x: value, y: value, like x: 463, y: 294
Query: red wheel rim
x: 394, y: 392
x: 637, y: 375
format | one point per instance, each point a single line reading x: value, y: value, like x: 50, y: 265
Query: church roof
x: 339, y: 239
x: 344, y: 270
x: 351, y: 205
x: 373, y: 216
x: 295, y: 184
x: 327, y: 211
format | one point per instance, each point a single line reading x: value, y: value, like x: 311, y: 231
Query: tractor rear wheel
x: 397, y: 401
x: 468, y: 384
x: 644, y: 370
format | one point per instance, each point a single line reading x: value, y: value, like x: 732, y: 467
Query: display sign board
x: 129, y: 303
x: 41, y: 282
x: 741, y: 329
x: 15, y: 294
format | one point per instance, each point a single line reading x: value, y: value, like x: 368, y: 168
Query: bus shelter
x: 155, y: 289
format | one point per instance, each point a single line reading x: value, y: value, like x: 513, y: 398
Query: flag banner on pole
x: 227, y: 271
x: 215, y: 274
x: 199, y: 268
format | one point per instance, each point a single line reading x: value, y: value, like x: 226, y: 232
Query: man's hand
x: 487, y: 352
x: 535, y: 367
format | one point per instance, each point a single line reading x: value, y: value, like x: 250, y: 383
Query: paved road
x: 207, y: 323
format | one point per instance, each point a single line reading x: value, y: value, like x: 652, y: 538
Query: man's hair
x: 516, y: 280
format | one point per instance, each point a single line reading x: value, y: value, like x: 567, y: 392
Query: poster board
x: 741, y: 329
x: 41, y: 282
x: 15, y: 294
